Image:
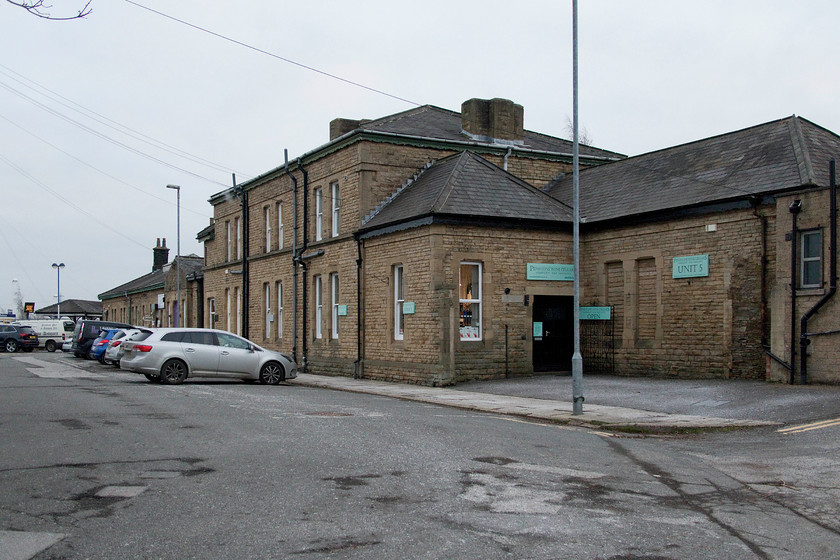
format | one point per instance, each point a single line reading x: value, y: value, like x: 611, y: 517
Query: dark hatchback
x: 87, y: 330
x: 13, y: 337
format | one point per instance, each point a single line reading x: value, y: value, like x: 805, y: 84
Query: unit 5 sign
x: 694, y: 266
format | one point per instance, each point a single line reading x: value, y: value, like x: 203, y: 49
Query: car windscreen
x: 142, y: 335
x: 26, y: 330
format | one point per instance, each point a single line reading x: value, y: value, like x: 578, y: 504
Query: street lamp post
x: 58, y: 268
x: 178, y: 259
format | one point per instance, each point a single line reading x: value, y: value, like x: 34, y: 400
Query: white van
x: 51, y: 332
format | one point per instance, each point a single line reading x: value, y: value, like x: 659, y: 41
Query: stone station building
x: 434, y: 247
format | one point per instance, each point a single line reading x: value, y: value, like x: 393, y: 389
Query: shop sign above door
x: 694, y: 266
x: 548, y: 271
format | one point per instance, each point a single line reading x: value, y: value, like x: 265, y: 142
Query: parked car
x: 14, y: 337
x: 52, y: 333
x: 98, y: 347
x: 87, y: 330
x: 171, y: 355
x: 115, y: 350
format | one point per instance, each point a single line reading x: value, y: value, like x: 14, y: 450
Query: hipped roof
x: 467, y: 186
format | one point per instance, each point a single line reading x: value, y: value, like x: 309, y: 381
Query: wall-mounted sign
x: 690, y: 267
x: 342, y: 310
x: 549, y: 271
x: 595, y: 313
x: 408, y: 308
x: 538, y: 329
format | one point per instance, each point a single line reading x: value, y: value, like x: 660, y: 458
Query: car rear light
x: 116, y: 343
x: 143, y: 347
x: 101, y: 342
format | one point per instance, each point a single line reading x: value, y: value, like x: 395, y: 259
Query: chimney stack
x: 340, y: 127
x: 161, y: 255
x: 493, y: 119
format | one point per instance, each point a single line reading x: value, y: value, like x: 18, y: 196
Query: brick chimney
x: 493, y: 119
x: 161, y: 255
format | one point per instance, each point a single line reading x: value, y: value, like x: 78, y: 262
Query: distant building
x: 74, y: 309
x: 148, y: 300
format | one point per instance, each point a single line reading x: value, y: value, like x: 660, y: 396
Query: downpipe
x: 804, y: 341
x: 795, y: 207
x: 295, y: 256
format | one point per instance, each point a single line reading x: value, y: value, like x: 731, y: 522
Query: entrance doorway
x: 554, y: 343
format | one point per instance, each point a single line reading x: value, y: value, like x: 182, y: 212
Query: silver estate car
x: 170, y: 355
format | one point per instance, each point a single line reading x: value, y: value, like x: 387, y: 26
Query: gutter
x: 335, y: 144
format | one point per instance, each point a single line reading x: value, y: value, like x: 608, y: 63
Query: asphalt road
x: 99, y: 463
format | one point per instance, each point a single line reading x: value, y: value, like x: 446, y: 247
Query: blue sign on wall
x: 690, y: 267
x: 548, y: 271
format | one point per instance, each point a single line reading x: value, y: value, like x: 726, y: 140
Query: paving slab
x: 594, y: 416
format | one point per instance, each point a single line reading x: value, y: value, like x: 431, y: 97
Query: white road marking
x: 53, y: 370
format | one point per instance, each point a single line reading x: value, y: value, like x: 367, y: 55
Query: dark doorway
x: 553, y: 319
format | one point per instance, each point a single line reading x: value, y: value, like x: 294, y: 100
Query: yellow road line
x: 809, y: 427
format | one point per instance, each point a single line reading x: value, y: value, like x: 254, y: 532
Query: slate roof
x: 73, y: 307
x: 466, y: 185
x: 429, y: 121
x: 776, y: 156
x: 154, y: 280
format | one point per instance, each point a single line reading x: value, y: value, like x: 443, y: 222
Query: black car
x: 13, y: 337
x: 87, y: 330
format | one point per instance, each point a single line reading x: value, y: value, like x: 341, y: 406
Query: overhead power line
x: 108, y: 122
x: 272, y: 55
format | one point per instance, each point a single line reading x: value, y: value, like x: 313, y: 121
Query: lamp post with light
x: 58, y: 268
x: 178, y: 259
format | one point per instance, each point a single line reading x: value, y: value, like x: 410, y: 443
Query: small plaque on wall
x: 408, y: 308
x: 694, y: 266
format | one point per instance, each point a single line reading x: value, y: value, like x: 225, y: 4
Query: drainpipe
x: 507, y: 155
x: 358, y: 363
x: 295, y: 257
x: 242, y: 195
x: 304, y: 363
x: 804, y: 341
x: 795, y: 207
x: 763, y: 289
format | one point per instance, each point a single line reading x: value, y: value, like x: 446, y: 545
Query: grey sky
x: 652, y: 74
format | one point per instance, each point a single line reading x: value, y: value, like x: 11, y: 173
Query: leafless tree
x: 583, y: 134
x: 40, y: 8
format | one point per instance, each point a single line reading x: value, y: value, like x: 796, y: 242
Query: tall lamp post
x: 58, y: 268
x: 178, y: 259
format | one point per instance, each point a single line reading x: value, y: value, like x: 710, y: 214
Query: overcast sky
x: 98, y: 115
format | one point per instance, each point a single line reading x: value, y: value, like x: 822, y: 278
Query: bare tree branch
x: 39, y: 7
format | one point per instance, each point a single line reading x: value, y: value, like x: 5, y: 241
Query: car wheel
x: 152, y: 378
x: 102, y: 360
x: 50, y: 346
x: 173, y: 372
x: 11, y: 346
x: 272, y: 373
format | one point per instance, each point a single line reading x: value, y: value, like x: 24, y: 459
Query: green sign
x: 547, y: 271
x: 595, y: 313
x: 342, y: 310
x: 538, y: 329
x: 694, y: 266
x: 408, y: 308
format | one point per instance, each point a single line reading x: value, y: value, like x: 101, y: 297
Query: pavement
x: 622, y: 404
